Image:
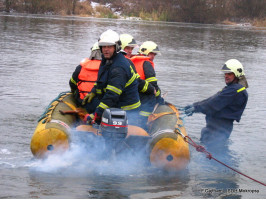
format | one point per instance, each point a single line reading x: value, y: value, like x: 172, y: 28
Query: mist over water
x: 83, y: 159
x: 38, y: 55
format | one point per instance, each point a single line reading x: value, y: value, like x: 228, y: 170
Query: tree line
x: 194, y: 11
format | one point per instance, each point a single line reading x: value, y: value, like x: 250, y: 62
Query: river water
x: 37, y: 57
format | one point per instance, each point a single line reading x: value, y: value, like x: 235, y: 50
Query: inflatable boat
x: 162, y: 145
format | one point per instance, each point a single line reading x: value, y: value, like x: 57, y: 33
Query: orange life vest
x: 138, y: 62
x: 87, y: 76
x: 127, y: 57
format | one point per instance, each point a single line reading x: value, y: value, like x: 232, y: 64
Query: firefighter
x: 84, y: 77
x: 150, y: 92
x: 116, y: 84
x: 225, y: 107
x: 128, y: 43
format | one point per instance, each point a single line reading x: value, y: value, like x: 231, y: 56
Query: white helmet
x: 234, y: 66
x: 127, y: 41
x: 109, y: 38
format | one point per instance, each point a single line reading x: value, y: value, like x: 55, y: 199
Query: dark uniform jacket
x: 147, y: 85
x: 144, y: 86
x: 73, y: 83
x: 222, y: 109
x: 116, y: 85
x: 150, y: 74
x: 229, y: 103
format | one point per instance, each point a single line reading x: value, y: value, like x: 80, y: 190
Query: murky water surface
x: 37, y: 57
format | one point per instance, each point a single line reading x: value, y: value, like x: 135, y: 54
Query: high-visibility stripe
x: 98, y: 91
x: 151, y: 79
x: 134, y: 76
x: 130, y: 107
x: 241, y: 89
x: 158, y: 93
x: 73, y: 81
x: 145, y: 87
x: 103, y: 106
x: 114, y: 89
x: 144, y: 113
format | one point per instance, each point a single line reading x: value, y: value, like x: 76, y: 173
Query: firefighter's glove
x: 189, y: 110
x: 89, y: 119
x: 88, y: 98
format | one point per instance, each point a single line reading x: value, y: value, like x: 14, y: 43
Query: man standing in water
x: 225, y: 106
x: 116, y: 84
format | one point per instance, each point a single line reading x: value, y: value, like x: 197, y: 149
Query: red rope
x: 202, y: 149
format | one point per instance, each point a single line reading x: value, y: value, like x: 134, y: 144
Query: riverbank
x: 257, y: 23
x: 254, y: 22
x: 203, y: 13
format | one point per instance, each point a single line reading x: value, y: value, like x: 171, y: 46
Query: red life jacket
x: 87, y: 76
x: 138, y: 62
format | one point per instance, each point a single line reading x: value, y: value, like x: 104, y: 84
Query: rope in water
x: 202, y: 149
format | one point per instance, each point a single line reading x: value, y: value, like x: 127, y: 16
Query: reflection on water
x: 225, y: 180
x: 37, y: 57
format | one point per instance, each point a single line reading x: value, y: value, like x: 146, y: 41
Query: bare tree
x: 74, y: 3
x: 7, y: 5
x: 250, y: 8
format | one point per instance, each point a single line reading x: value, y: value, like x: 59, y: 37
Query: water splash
x: 5, y: 151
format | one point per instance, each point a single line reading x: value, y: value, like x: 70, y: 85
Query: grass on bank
x: 85, y: 9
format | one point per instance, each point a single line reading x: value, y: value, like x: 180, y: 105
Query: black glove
x: 189, y: 110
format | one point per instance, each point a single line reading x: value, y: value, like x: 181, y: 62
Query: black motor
x: 114, y: 126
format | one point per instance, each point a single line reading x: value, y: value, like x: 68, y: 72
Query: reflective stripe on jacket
x: 117, y: 84
x: 229, y: 103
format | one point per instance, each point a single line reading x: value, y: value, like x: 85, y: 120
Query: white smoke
x: 84, y: 158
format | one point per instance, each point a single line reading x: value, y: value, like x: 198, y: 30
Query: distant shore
x: 259, y: 23
x: 234, y: 12
x: 255, y: 23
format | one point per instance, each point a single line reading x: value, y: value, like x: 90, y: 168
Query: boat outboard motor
x: 114, y: 127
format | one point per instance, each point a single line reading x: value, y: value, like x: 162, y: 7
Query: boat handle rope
x: 153, y: 117
x: 46, y: 115
x: 202, y: 149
